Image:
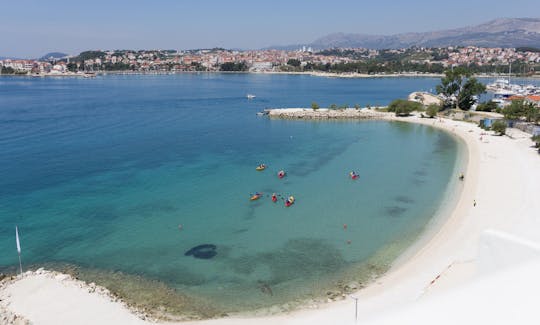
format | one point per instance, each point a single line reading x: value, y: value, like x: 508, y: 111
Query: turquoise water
x: 99, y: 173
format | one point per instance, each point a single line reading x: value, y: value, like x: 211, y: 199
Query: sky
x: 31, y: 28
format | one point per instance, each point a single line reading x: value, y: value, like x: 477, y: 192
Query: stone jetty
x: 325, y: 113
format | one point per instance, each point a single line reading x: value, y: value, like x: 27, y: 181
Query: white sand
x: 425, y: 98
x: 502, y: 175
x: 53, y: 298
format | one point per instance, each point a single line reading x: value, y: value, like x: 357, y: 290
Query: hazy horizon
x: 35, y: 28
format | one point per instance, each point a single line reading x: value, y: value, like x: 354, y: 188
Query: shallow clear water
x: 100, y: 173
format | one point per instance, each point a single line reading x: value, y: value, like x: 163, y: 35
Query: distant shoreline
x: 308, y: 73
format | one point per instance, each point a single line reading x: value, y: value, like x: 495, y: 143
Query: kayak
x: 289, y: 201
x: 260, y: 167
x: 353, y: 175
x: 281, y: 174
x: 256, y: 197
x: 274, y: 198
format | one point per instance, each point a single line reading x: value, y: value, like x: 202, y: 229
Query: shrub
x: 488, y: 106
x: 333, y: 106
x: 536, y: 140
x: 403, y: 107
x: 432, y: 110
x: 315, y: 106
x: 499, y: 127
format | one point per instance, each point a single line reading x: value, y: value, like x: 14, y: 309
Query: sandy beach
x: 499, y: 192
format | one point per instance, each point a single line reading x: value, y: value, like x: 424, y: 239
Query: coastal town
x: 418, y: 60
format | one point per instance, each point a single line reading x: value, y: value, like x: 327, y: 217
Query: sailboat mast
x: 509, y: 71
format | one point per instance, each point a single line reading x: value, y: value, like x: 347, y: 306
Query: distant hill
x: 504, y: 32
x: 53, y: 55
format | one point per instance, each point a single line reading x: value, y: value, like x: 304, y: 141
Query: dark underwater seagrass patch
x: 204, y: 251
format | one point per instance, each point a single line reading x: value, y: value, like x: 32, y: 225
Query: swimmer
x: 180, y: 227
x: 344, y: 226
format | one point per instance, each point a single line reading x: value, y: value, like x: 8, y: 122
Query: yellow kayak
x: 261, y: 167
x: 256, y: 197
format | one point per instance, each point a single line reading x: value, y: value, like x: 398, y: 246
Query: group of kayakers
x: 288, y: 202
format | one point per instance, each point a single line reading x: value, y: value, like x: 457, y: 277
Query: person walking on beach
x: 474, y: 203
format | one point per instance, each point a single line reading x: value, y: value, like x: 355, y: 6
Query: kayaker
x: 289, y: 201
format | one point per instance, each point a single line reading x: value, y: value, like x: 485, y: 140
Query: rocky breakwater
x: 323, y: 113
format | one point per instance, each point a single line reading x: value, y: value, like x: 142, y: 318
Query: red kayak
x: 290, y: 201
x: 274, y: 198
x: 281, y: 174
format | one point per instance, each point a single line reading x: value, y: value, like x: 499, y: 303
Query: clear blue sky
x: 31, y: 28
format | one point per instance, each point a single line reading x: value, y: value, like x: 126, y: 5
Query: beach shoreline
x: 436, y: 261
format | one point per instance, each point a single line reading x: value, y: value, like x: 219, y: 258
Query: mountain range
x: 503, y: 32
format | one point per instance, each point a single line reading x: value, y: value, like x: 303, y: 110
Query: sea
x: 115, y: 179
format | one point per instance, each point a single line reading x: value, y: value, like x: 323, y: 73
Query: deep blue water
x: 101, y: 172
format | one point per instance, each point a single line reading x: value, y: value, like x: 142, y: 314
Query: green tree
x: 536, y: 140
x: 432, y: 110
x: 459, y: 87
x: 72, y: 66
x: 488, y: 106
x: 234, y: 66
x: 515, y: 110
x: 532, y: 113
x: 315, y: 106
x: 499, y: 127
x: 8, y: 70
x: 403, y: 107
x: 333, y: 106
x: 294, y: 62
x: 466, y: 97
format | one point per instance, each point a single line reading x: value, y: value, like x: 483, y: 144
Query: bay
x: 119, y: 176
